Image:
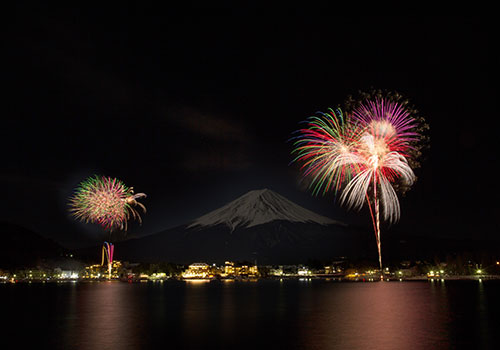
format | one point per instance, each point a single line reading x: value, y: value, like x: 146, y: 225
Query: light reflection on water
x: 251, y: 315
x: 101, y: 316
x: 377, y: 316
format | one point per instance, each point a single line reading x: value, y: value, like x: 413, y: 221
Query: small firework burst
x: 105, y: 201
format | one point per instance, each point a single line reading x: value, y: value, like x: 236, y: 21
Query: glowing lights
x: 304, y: 271
x: 158, y: 276
x: 69, y: 275
x: 366, y: 152
x: 197, y: 270
x: 229, y: 270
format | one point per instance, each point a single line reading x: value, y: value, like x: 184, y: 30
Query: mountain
x: 259, y: 207
x: 260, y: 225
x: 264, y: 226
x: 22, y: 247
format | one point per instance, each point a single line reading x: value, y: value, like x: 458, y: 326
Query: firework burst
x: 366, y: 154
x: 105, y: 201
x: 326, y: 149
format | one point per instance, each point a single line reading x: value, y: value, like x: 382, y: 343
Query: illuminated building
x: 253, y: 270
x: 233, y: 270
x: 197, y: 270
x: 93, y: 271
x: 246, y: 270
x: 99, y: 271
x: 229, y: 268
x: 35, y: 274
x: 4, y: 275
x: 276, y: 271
x: 332, y: 269
x: 303, y: 271
x: 67, y: 274
x: 158, y: 276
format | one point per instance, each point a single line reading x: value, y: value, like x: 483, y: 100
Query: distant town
x: 341, y: 269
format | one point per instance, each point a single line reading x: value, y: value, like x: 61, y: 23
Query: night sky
x: 194, y: 107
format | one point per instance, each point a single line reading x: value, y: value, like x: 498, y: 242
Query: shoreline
x: 275, y: 278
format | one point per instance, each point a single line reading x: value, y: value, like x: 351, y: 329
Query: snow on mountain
x: 258, y: 207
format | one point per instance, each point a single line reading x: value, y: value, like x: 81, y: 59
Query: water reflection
x: 382, y: 315
x: 266, y: 314
x: 107, y: 317
x: 220, y: 314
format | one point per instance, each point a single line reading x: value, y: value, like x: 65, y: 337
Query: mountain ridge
x: 24, y: 247
x: 258, y: 207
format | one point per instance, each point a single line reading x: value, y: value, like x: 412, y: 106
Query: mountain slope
x: 22, y: 247
x: 259, y: 207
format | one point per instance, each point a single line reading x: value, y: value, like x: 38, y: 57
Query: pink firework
x: 376, y: 154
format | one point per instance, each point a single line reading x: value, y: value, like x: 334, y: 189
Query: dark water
x: 252, y: 315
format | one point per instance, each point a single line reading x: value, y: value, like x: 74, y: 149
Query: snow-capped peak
x: 258, y: 207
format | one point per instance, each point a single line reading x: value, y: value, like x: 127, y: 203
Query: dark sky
x: 194, y: 107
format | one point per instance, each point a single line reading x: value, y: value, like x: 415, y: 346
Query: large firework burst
x: 105, y: 201
x: 367, y: 153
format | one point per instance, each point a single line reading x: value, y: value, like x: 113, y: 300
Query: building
x: 304, y: 271
x: 99, y: 271
x: 197, y: 270
x: 229, y: 268
x: 332, y: 269
x: 235, y: 270
x: 69, y: 274
x: 276, y: 271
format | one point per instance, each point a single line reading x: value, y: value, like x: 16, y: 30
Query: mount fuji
x: 259, y: 207
x: 260, y: 225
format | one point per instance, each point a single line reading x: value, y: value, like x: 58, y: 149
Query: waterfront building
x: 229, y: 268
x: 98, y: 271
x: 304, y: 271
x: 235, y: 270
x: 276, y: 271
x: 197, y: 270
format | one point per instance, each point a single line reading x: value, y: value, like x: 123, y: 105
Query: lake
x: 288, y: 314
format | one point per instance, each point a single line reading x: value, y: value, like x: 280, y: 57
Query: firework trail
x: 366, y: 153
x: 107, y: 256
x: 105, y: 201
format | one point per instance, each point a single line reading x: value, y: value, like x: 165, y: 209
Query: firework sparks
x: 107, y: 202
x: 326, y: 148
x: 365, y: 153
